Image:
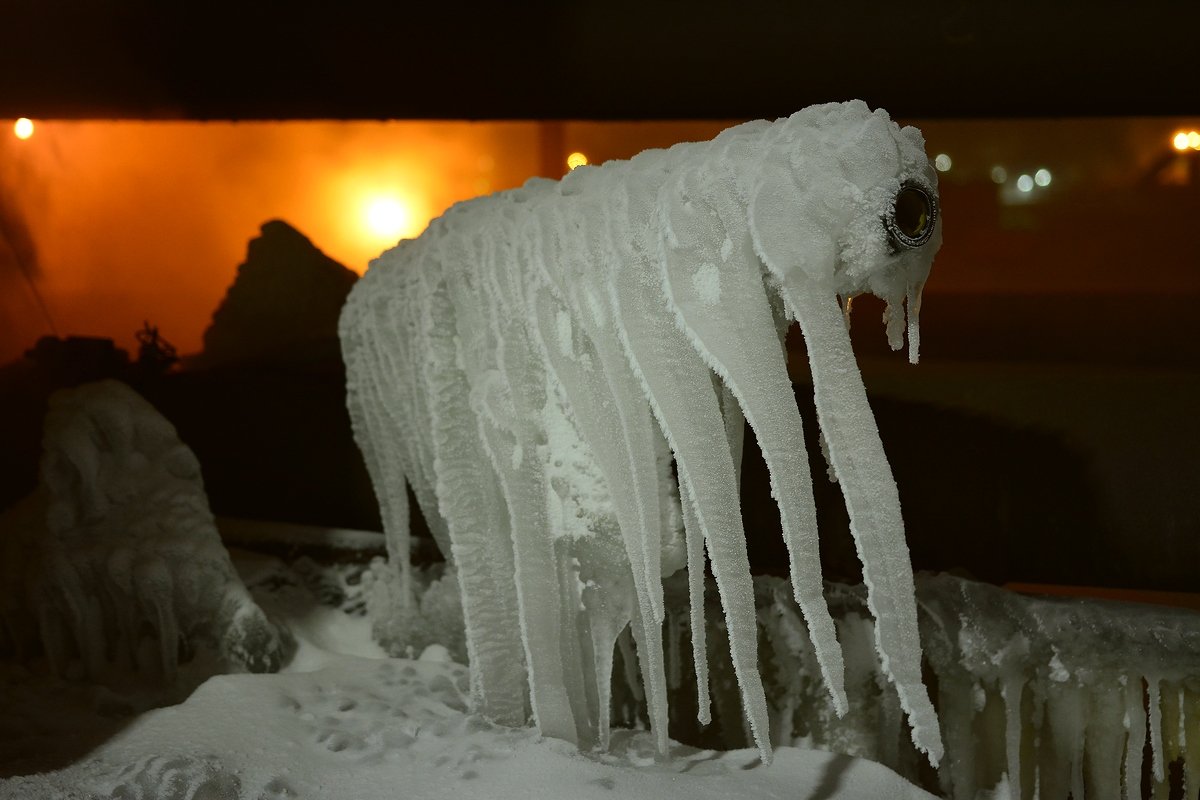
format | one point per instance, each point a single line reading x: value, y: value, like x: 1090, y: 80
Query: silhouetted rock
x: 286, y: 298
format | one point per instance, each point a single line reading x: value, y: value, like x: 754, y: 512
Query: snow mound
x: 114, y: 563
x: 379, y: 729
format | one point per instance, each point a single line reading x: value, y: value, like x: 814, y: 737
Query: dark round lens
x: 912, y: 212
x: 913, y: 216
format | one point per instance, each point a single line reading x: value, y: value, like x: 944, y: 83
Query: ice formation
x: 114, y: 562
x: 535, y: 360
x: 1037, y: 696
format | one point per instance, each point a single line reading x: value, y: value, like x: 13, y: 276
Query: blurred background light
x: 1025, y: 183
x: 576, y: 160
x: 1042, y: 177
x: 942, y: 162
x: 23, y: 128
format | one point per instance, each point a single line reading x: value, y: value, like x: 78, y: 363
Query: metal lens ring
x: 913, y: 215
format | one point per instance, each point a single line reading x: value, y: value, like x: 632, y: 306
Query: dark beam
x: 617, y: 60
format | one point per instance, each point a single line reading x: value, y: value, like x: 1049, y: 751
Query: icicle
x: 914, y: 323
x: 598, y: 415
x: 155, y: 590
x: 737, y: 340
x: 957, y: 773
x: 1104, y: 741
x: 1135, y: 724
x: 695, y: 570
x: 477, y: 522
x: 1154, y: 704
x: 1011, y: 690
x: 873, y: 503
x: 537, y: 587
x: 683, y: 401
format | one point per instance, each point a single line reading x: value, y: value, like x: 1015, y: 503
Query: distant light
x: 942, y: 162
x: 999, y: 174
x: 1180, y: 141
x: 388, y: 218
x: 576, y: 160
x: 1025, y: 183
x: 1042, y: 177
x: 1193, y: 140
x: 23, y: 128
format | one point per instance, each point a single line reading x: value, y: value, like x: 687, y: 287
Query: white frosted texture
x: 1038, y: 697
x: 527, y: 362
x: 115, y: 561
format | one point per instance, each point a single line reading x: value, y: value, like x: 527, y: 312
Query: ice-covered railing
x: 561, y: 372
x: 1074, y: 688
x: 1037, y: 696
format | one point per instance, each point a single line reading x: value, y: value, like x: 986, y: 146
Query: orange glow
x: 1180, y: 141
x: 23, y: 128
x: 576, y: 160
x: 1193, y: 140
x: 135, y: 221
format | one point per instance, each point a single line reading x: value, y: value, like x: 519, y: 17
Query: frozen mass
x: 533, y: 362
x: 562, y: 374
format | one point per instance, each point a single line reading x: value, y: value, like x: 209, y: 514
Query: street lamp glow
x: 576, y: 159
x: 1180, y: 141
x: 388, y: 218
x: 1025, y: 183
x: 23, y: 128
x: 943, y: 162
x: 1042, y: 177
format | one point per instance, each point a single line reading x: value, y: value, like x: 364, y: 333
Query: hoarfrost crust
x: 116, y: 561
x: 637, y: 301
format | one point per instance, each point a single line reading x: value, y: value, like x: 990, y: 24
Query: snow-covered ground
x: 343, y: 720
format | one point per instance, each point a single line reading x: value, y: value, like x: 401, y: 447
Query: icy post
x: 115, y: 561
x: 532, y: 363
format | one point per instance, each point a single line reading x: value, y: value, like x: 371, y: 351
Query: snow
x: 115, y: 560
x: 343, y: 720
x: 622, y: 311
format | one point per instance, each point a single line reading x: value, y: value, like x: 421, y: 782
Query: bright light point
x: 1025, y: 183
x: 1042, y: 177
x: 942, y: 162
x: 23, y: 128
x: 1193, y: 140
x: 999, y: 174
x: 1180, y: 141
x: 576, y: 160
x: 388, y: 218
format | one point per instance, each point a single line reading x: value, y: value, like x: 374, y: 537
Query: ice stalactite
x: 114, y: 563
x: 1085, y: 686
x: 1038, y: 697
x: 526, y: 364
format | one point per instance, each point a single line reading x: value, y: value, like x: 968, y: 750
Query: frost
x: 115, y: 562
x: 526, y: 364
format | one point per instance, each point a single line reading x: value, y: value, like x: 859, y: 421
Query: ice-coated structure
x: 114, y: 562
x: 561, y: 373
x: 1048, y: 697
